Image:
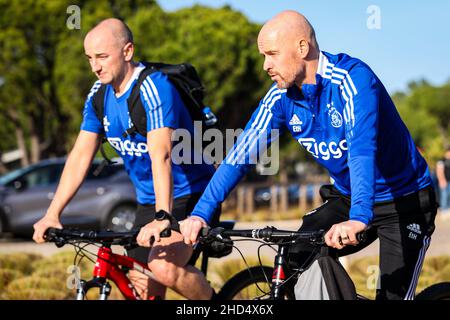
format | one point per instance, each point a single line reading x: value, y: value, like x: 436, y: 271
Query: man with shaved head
x: 340, y: 112
x: 165, y: 191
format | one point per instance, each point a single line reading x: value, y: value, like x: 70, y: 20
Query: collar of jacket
x: 309, y: 92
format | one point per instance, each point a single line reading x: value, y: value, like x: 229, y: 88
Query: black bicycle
x: 277, y: 282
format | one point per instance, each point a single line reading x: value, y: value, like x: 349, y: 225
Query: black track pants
x: 404, y: 227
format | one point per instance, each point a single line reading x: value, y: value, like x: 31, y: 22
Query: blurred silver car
x: 106, y: 201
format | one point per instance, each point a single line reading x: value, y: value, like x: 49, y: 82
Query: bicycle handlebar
x: 61, y: 236
x: 270, y: 234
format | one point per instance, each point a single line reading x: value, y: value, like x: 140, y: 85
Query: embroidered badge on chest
x: 335, y: 116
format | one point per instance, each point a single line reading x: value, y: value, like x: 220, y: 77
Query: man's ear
x: 303, y: 48
x: 128, y: 51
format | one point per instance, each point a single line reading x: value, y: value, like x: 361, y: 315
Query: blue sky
x: 412, y: 43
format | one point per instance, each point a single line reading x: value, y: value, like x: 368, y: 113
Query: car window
x: 44, y: 176
x: 13, y: 175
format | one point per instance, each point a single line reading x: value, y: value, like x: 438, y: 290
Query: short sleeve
x: 90, y: 121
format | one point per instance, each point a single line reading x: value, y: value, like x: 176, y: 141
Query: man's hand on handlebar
x: 151, y: 230
x: 42, y: 225
x: 344, y: 233
x: 191, y: 227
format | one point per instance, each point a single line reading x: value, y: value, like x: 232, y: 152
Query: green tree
x: 44, y: 75
x: 436, y: 102
x: 30, y: 30
x: 220, y: 43
x: 426, y: 112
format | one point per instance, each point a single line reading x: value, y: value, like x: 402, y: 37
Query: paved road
x: 440, y: 244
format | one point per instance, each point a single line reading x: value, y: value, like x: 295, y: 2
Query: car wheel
x: 122, y: 218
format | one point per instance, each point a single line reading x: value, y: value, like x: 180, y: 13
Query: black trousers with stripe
x: 404, y: 227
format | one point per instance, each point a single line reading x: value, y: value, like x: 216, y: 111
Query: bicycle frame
x: 114, y: 267
x: 278, y: 276
x: 107, y: 267
x: 281, y: 271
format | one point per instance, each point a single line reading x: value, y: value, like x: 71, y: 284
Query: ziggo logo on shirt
x: 324, y: 150
x: 128, y: 147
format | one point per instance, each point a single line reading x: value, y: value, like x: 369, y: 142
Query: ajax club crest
x: 335, y: 116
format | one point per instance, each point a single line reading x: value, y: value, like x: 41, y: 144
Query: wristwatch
x: 163, y: 215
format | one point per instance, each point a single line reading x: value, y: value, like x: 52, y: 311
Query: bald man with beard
x: 340, y: 112
x: 164, y: 190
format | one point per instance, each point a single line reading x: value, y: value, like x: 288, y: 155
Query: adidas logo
x: 295, y: 121
x: 414, y: 227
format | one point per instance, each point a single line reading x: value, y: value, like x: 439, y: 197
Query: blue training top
x: 350, y: 125
x: 164, y: 108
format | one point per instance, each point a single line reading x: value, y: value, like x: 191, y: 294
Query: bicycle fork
x: 84, y: 286
x: 101, y: 270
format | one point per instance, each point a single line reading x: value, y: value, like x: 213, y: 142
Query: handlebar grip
x: 361, y: 236
x: 55, y: 235
x: 204, y: 231
x: 50, y: 232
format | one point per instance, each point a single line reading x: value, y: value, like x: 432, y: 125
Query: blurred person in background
x: 443, y: 176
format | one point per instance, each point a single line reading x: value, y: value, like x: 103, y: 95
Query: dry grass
x: 28, y: 276
x: 362, y: 272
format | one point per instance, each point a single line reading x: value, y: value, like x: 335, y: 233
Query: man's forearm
x: 162, y: 182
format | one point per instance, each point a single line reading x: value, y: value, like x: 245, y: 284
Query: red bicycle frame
x: 111, y: 266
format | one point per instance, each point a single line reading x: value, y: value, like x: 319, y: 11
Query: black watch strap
x: 163, y: 215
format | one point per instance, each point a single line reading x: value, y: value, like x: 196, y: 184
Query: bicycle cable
x: 80, y: 252
x: 313, y: 253
x: 247, y: 265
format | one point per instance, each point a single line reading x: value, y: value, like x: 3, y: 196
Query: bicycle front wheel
x: 251, y: 284
x: 438, y: 291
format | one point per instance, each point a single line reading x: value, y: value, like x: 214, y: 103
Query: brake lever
x: 215, y: 234
x: 60, y: 242
x: 166, y: 233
